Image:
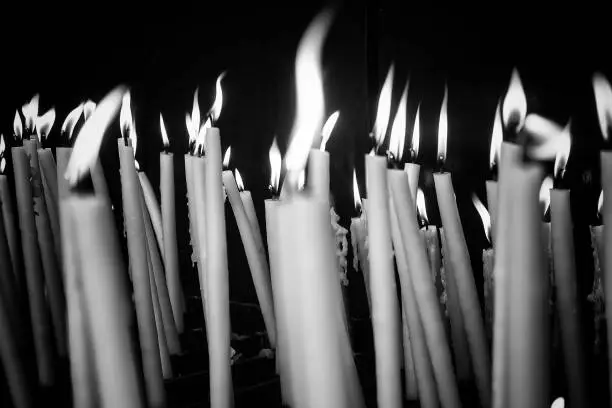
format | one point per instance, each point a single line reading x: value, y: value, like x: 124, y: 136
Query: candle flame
x: 328, y: 127
x: 88, y: 108
x: 126, y: 121
x: 558, y: 403
x: 443, y: 127
x: 383, y: 111
x: 416, y: 133
x: 301, y: 180
x: 89, y: 140
x: 421, y: 207
x: 514, y: 107
x: 398, y: 129
x: 484, y: 215
x: 44, y: 124
x: 547, y: 185
x: 226, y: 157
x: 2, y: 149
x: 275, y: 165
x: 71, y: 120
x: 497, y: 137
x: 356, y: 195
x: 310, y: 99
x: 195, y: 114
x: 17, y: 126
x: 201, y: 138
x: 215, y: 111
x: 603, y: 101
x: 549, y: 139
x: 30, y: 112
x: 164, y: 134
x: 600, y: 202
x: 239, y: 181
x: 192, y: 135
x: 564, y: 147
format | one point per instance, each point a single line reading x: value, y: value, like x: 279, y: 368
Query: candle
x: 197, y: 167
x: 255, y: 258
x: 416, y: 348
x: 152, y: 207
x: 412, y: 168
x: 9, y: 217
x: 497, y: 137
x: 424, y: 292
x: 107, y: 301
x: 48, y: 174
x: 430, y: 237
x: 597, y: 294
x: 170, y: 248
x: 318, y: 162
x: 457, y: 254
x: 137, y: 251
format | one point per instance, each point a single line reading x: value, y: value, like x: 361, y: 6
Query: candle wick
x: 440, y: 164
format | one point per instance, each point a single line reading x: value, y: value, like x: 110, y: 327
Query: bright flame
x: 356, y: 195
x: 497, y: 137
x: 239, y: 181
x: 416, y: 134
x: 421, y: 208
x: 195, y: 114
x: 383, y: 111
x: 215, y: 111
x: 164, y: 135
x: 44, y: 123
x: 2, y: 145
x: 301, y: 180
x: 600, y: 202
x: 484, y: 215
x: 89, y: 140
x: 30, y: 112
x: 309, y: 91
x: 563, y: 152
x: 603, y: 100
x: 226, y: 157
x: 201, y: 138
x: 126, y: 121
x: 192, y: 135
x: 328, y: 127
x: 548, y: 138
x: 17, y: 126
x: 88, y: 108
x: 71, y: 120
x: 275, y: 165
x: 443, y: 127
x: 398, y: 129
x: 515, y: 103
x: 558, y: 403
x: 547, y: 185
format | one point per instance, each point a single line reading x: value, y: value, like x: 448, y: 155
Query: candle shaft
x: 424, y: 292
x: 164, y: 355
x: 491, y: 187
x: 10, y: 218
x: 413, y: 171
x: 7, y: 281
x: 249, y: 207
x: 318, y: 174
x: 255, y: 258
x: 48, y: 171
x: 385, y: 308
x: 217, y: 277
x: 107, y: 302
x: 168, y: 208
x: 606, y: 181
x: 488, y: 260
x: 153, y: 207
x: 198, y: 179
x: 597, y: 294
x: 433, y: 251
x: 192, y: 214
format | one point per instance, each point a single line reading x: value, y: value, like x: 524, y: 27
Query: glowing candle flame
x: 383, y: 111
x: 443, y: 128
x: 226, y: 157
x: 548, y: 138
x: 88, y: 108
x: 201, y: 138
x: 30, y: 112
x: 275, y: 165
x: 215, y: 111
x: 484, y: 215
x: 126, y: 121
x: 17, y: 126
x: 71, y: 120
x: 497, y: 137
x: 547, y: 185
x: 600, y: 202
x: 398, y: 129
x: 239, y: 181
x: 421, y: 208
x: 558, y: 403
x: 192, y: 135
x: 301, y: 180
x: 328, y: 127
x: 164, y: 135
x: 195, y: 113
x: 564, y: 147
x: 310, y: 100
x: 514, y: 108
x: 356, y: 195
x: 2, y: 149
x: 603, y: 100
x: 416, y: 134
x: 44, y: 124
x: 89, y: 140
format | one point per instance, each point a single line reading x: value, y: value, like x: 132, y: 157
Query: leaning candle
x: 153, y: 207
x: 41, y: 326
x: 197, y: 168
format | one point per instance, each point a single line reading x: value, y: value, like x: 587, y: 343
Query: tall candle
x: 48, y: 172
x: 424, y: 292
x: 385, y: 308
x: 426, y: 391
x: 318, y: 173
x: 606, y: 181
x: 46, y: 242
x: 457, y: 254
x: 164, y: 354
x: 192, y: 214
x: 217, y: 277
x: 41, y: 326
x: 168, y: 208
x: 568, y: 305
x: 596, y: 297
x: 108, y: 303
x: 249, y: 208
x: 430, y: 234
x: 137, y: 250
x: 197, y: 167
x: 413, y: 171
x: 255, y: 258
x: 10, y: 218
x: 153, y: 207
x: 488, y: 262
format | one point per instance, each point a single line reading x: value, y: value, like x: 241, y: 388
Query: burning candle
x: 9, y: 217
x: 318, y: 161
x: 255, y: 258
x: 497, y: 137
x: 488, y: 258
x: 457, y: 254
x: 170, y: 248
x: 385, y: 308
